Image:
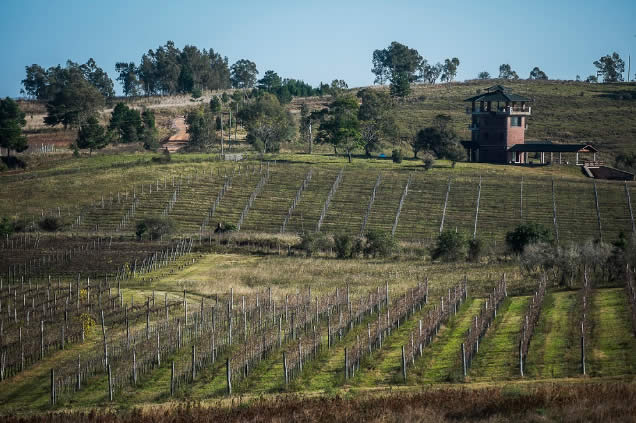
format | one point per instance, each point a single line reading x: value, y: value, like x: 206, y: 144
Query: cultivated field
x: 92, y: 317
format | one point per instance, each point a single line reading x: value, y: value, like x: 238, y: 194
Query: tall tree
x: 611, y: 67
x: 341, y: 127
x: 376, y: 122
x: 268, y: 123
x: 399, y: 63
x: 98, y: 78
x: 128, y: 78
x: 538, y: 74
x: 127, y: 123
x: 202, y: 129
x: 91, y: 135
x: 270, y: 81
x: 449, y: 69
x: 429, y: 73
x: 483, y: 75
x: 243, y: 74
x: 11, y: 123
x: 36, y: 82
x: 73, y: 103
x: 506, y: 72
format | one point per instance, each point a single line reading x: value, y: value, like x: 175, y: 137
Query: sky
x: 318, y: 41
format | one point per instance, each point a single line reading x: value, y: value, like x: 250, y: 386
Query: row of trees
x: 401, y: 65
x: 126, y: 125
x: 506, y: 72
x: 610, y: 67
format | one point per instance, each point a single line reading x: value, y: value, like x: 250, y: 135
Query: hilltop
x: 562, y: 111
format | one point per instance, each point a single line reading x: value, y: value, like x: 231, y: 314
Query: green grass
x: 498, y: 356
x: 612, y: 346
x: 553, y: 351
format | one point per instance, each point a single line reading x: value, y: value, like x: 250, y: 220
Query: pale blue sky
x: 320, y: 41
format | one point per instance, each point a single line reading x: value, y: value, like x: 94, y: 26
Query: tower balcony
x: 508, y: 111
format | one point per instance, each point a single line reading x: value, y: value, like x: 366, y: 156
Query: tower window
x: 515, y: 121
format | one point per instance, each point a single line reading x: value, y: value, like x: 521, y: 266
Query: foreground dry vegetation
x: 586, y: 402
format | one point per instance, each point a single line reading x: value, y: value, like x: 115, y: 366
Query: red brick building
x: 499, y: 122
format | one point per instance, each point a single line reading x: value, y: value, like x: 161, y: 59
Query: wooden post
x: 79, y: 374
x: 52, y: 386
x: 42, y: 340
x: 110, y: 385
x: 521, y: 353
x: 582, y: 349
x: 464, y: 358
x: 598, y: 214
x: 172, y: 379
x: 194, y: 362
x: 285, y: 374
x: 477, y: 209
x: 346, y: 363
x: 554, y: 215
x: 441, y: 226
x: 229, y: 376
x: 104, y: 339
x: 134, y: 366
x: 403, y: 364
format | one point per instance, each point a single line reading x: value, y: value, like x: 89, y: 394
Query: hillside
x: 562, y: 111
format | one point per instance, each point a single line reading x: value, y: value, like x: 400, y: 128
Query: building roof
x: 498, y: 93
x: 548, y: 147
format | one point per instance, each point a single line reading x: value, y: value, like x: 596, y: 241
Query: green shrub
x: 429, y: 161
x: 164, y: 158
x: 312, y: 242
x: 475, y: 247
x: 50, y: 224
x: 7, y: 227
x: 451, y: 246
x: 379, y: 243
x: 343, y: 245
x: 196, y: 93
x: 223, y: 227
x: 525, y: 234
x: 155, y: 227
x: 396, y: 156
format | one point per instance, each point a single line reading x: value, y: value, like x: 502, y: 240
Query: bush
x: 13, y: 162
x: 428, y: 160
x: 6, y: 227
x: 312, y: 242
x: 155, y: 227
x: 525, y: 234
x: 379, y: 243
x: 196, y: 93
x: 223, y: 227
x: 475, y: 247
x: 344, y: 246
x: 50, y: 224
x: 451, y: 246
x: 396, y: 156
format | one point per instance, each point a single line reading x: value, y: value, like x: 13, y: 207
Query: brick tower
x: 499, y: 121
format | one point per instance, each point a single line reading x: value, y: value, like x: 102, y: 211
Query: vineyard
x: 94, y: 314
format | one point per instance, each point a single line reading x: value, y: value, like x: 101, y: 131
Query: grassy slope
x: 612, y: 347
x: 498, y: 351
x: 553, y: 350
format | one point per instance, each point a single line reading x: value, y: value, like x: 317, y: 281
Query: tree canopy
x: 11, y: 123
x: 243, y: 74
x: 611, y: 67
x: 506, y: 72
x: 398, y: 64
x: 538, y: 74
x: 376, y: 122
x: 268, y: 123
x: 449, y: 69
x: 91, y: 135
x: 201, y: 128
x: 341, y: 126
